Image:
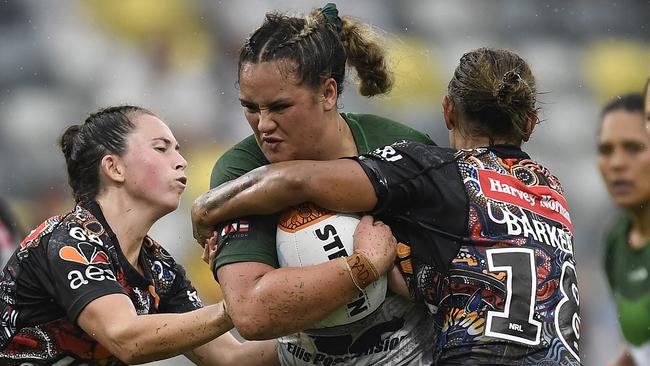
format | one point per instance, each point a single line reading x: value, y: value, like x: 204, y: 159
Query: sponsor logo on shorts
x: 318, y: 358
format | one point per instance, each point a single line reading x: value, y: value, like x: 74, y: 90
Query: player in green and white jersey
x: 291, y: 74
x: 624, y: 161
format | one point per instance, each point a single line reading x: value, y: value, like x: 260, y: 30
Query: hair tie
x: 331, y: 15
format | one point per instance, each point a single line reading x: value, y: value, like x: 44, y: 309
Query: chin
x: 276, y: 157
x: 629, y: 203
x: 169, y: 207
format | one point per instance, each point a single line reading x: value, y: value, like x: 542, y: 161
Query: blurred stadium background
x: 60, y: 60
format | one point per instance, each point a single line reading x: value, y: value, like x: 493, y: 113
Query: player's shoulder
x: 241, y: 158
x: 386, y: 129
x: 79, y: 225
x: 42, y: 231
x: 426, y: 154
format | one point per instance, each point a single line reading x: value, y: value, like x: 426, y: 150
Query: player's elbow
x: 252, y: 328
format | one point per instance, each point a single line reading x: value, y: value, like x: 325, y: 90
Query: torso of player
x: 398, y: 333
x: 510, y: 289
x: 628, y: 271
x: 84, y: 263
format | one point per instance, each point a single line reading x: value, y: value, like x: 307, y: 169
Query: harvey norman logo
x: 540, y: 199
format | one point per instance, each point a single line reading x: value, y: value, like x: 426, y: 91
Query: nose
x: 618, y: 160
x: 181, y: 163
x: 266, y: 123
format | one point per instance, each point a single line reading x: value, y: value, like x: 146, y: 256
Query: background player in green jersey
x: 624, y: 161
x: 291, y: 74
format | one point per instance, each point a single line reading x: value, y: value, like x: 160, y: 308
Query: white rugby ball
x: 308, y: 235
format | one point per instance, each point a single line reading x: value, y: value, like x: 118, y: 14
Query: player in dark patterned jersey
x: 491, y: 237
x: 90, y: 287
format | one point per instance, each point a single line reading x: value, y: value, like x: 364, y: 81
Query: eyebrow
x: 275, y: 103
x: 166, y: 141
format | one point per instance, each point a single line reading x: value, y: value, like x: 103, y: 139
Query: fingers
x: 210, y: 248
x: 376, y: 241
x: 206, y: 254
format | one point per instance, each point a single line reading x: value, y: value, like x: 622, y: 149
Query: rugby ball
x: 308, y: 235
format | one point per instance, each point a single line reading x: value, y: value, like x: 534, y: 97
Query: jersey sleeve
x: 419, y: 190
x: 408, y: 174
x: 246, y: 239
x: 81, y: 269
x: 249, y: 239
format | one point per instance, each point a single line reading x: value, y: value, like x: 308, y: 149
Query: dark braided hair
x: 319, y: 49
x: 84, y: 145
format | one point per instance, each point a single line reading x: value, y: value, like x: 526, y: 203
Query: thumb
x: 366, y: 219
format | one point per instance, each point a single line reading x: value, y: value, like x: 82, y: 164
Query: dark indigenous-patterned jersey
x: 63, y: 265
x: 490, y: 253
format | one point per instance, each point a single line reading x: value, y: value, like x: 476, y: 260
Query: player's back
x: 511, y: 296
x: 489, y: 250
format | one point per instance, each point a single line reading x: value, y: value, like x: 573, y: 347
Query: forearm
x: 226, y: 350
x: 285, y: 300
x: 257, y: 192
x: 339, y: 185
x: 158, y: 336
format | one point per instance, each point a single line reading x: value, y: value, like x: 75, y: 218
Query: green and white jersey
x: 628, y: 273
x: 398, y: 333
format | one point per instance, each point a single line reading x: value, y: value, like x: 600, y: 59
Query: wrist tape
x: 361, y: 270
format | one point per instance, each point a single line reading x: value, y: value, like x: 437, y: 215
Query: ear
x: 448, y: 110
x: 330, y: 94
x: 530, y: 126
x: 113, y: 168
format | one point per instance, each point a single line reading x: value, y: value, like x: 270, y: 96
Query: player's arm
x: 338, y: 185
x: 265, y: 302
x: 112, y: 321
x: 226, y: 350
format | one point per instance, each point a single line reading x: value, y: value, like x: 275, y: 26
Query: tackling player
x: 90, y: 287
x: 491, y: 237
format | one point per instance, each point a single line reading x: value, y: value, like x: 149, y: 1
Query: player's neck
x: 458, y: 140
x: 640, y: 229
x: 129, y: 222
x: 338, y: 139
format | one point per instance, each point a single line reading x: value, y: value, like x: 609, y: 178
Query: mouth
x: 271, y: 143
x: 621, y: 187
x: 182, y: 181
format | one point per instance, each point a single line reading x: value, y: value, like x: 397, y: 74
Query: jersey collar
x: 505, y: 151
